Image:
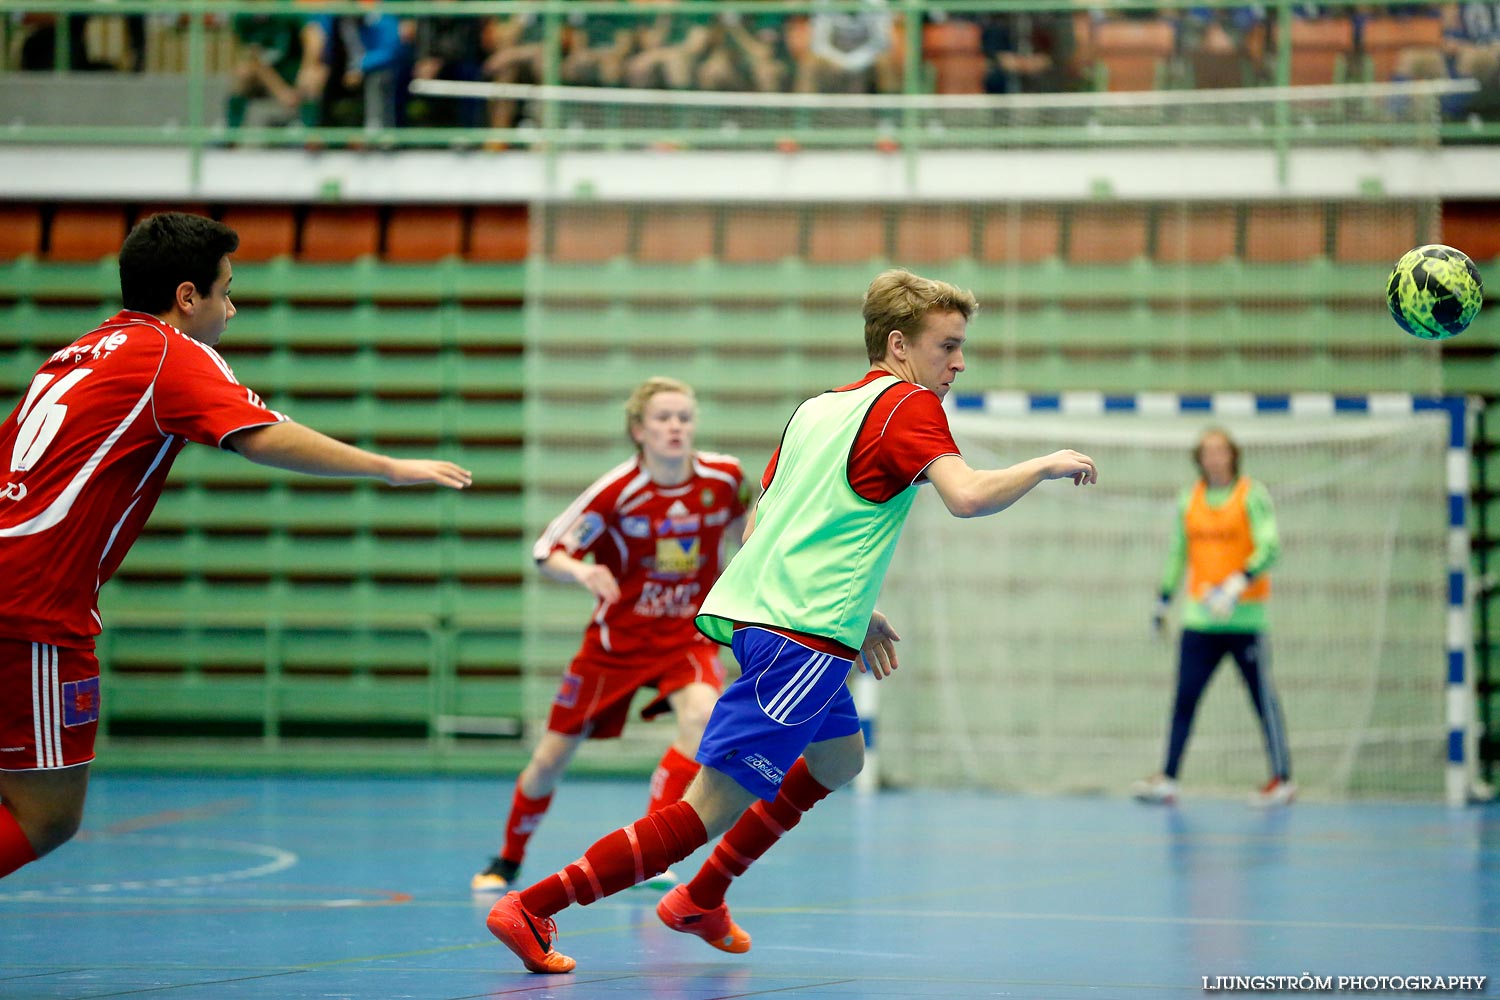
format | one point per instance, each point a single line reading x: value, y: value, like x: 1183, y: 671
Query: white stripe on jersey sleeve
x: 709, y: 472
x: 562, y: 522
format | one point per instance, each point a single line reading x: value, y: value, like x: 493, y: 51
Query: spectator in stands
x: 39, y: 43
x: 515, y: 56
x: 749, y: 53
x: 671, y: 47
x: 451, y: 47
x: 92, y: 443
x: 1472, y: 50
x: 281, y: 58
x: 1028, y: 53
x: 371, y: 54
x: 597, y: 47
x: 851, y: 52
x: 1223, y: 46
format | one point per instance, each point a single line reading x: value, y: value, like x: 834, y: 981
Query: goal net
x: 1028, y: 658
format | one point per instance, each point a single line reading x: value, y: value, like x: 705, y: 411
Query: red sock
x: 618, y: 861
x: 16, y: 850
x: 525, y: 815
x: 752, y: 835
x: 670, y: 779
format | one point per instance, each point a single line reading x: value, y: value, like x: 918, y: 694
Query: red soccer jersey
x: 664, y: 545
x: 88, y: 450
x: 905, y: 431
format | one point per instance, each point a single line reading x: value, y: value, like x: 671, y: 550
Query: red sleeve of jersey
x: 765, y: 479
x: 580, y: 527
x: 582, y: 533
x: 196, y: 395
x: 906, y: 430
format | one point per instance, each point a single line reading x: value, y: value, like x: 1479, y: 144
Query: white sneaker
x: 1274, y: 793
x: 1158, y: 789
x: 666, y: 880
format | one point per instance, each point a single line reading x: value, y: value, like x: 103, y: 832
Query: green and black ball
x: 1434, y: 292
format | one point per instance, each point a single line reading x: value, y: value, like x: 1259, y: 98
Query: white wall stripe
x: 1234, y: 404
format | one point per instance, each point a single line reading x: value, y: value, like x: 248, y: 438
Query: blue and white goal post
x: 1371, y: 496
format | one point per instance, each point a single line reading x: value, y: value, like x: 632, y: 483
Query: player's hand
x: 877, y: 654
x: 422, y: 471
x: 1159, y: 617
x: 599, y: 581
x: 1221, y: 601
x: 1070, y: 464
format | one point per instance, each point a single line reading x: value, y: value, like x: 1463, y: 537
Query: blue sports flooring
x: 189, y: 888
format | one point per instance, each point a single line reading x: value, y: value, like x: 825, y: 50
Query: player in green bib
x: 797, y: 605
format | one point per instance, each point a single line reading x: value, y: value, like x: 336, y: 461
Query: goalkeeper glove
x: 1159, y: 616
x: 1221, y: 601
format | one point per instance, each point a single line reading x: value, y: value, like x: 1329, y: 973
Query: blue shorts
x: 786, y: 697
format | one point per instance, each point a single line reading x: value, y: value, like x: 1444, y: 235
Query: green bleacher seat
x: 1471, y: 372
x: 484, y: 374
x: 52, y: 325
x: 360, y: 324
x: 486, y: 326
x: 366, y: 418
x: 358, y: 506
x: 29, y: 278
x: 195, y: 699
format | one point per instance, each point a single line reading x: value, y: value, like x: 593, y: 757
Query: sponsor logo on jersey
x: 584, y: 532
x: 679, y: 521
x: 13, y: 491
x: 716, y: 517
x: 677, y: 556
x: 80, y: 702
x: 668, y: 600
x: 636, y: 525
x: 768, y: 770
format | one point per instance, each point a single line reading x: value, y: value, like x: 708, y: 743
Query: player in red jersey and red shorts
x: 87, y: 451
x: 655, y: 527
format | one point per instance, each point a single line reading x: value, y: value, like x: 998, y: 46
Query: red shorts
x: 596, y: 691
x: 49, y: 706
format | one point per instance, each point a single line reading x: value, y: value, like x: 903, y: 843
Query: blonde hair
x: 635, y: 406
x: 900, y: 300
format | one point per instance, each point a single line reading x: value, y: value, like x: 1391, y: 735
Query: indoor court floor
x: 202, y: 888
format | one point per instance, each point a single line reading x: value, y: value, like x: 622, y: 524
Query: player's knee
x: 49, y: 832
x: 692, y: 719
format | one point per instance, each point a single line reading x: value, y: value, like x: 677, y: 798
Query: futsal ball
x: 1434, y: 292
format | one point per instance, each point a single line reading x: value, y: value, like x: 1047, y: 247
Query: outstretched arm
x: 292, y: 446
x: 976, y: 493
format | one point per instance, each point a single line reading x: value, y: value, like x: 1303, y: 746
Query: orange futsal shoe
x: 529, y: 937
x: 678, y: 911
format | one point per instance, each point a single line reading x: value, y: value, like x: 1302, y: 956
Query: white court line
x: 277, y: 860
x: 1103, y: 918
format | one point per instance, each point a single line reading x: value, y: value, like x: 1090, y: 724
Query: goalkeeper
x: 1226, y: 541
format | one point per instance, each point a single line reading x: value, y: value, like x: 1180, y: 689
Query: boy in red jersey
x: 797, y: 606
x: 655, y: 526
x: 88, y: 450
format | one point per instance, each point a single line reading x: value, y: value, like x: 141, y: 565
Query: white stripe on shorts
x: 46, y: 705
x: 790, y: 696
